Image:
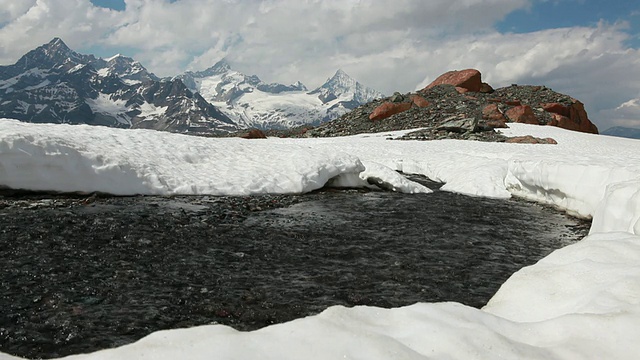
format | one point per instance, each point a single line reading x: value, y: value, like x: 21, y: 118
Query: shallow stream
x: 82, y: 274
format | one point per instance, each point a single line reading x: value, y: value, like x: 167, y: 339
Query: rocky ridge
x: 53, y: 83
x: 458, y: 105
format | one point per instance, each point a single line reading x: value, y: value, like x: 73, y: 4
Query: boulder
x: 469, y: 79
x: 493, y: 117
x: 397, y: 97
x: 254, y: 134
x: 522, y: 114
x: 528, y: 139
x: 556, y: 108
x: 459, y: 125
x: 486, y: 88
x: 389, y: 108
x: 419, y: 101
x: 570, y: 117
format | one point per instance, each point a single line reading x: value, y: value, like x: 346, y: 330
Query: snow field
x: 580, y: 302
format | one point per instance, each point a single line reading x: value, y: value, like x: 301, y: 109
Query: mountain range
x: 250, y: 102
x: 53, y: 83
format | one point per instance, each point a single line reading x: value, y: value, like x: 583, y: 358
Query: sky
x: 585, y: 48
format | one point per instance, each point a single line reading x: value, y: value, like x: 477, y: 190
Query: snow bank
x: 125, y: 162
x: 580, y: 302
x: 600, y: 275
x: 619, y: 210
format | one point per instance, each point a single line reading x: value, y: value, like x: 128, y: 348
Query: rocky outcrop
x: 571, y: 117
x: 456, y: 96
x: 466, y: 80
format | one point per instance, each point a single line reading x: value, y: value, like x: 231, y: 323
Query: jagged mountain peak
x: 343, y: 86
x: 124, y: 67
x: 219, y: 68
x: 53, y: 52
x: 340, y: 79
x: 119, y: 58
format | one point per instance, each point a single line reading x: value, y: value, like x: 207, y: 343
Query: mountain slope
x: 250, y: 102
x: 53, y: 83
x: 622, y: 131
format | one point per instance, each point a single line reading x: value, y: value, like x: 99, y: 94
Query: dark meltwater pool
x: 82, y: 274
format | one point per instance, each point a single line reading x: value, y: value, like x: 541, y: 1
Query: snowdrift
x: 582, y: 301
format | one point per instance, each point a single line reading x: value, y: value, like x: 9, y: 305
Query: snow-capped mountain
x: 53, y: 83
x: 250, y: 102
x: 127, y: 69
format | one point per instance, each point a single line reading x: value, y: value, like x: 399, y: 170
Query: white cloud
x: 33, y: 23
x: 388, y: 45
x: 626, y: 114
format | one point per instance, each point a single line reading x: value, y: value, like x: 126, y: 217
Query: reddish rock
x: 494, y: 100
x: 469, y: 79
x: 522, y: 114
x: 254, y: 134
x: 556, y: 108
x: 461, y: 90
x: 513, y: 102
x: 493, y: 116
x: 419, y: 100
x: 528, y: 139
x: 486, y: 88
x: 572, y: 117
x: 387, y: 109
